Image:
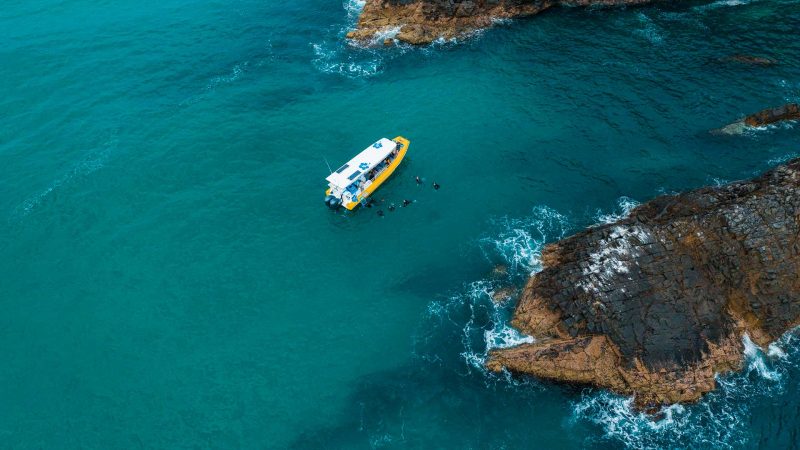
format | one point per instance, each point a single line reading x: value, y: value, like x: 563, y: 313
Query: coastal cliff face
x: 657, y: 303
x: 424, y: 21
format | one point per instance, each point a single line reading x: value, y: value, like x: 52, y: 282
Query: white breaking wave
x: 756, y: 360
x: 353, y: 8
x: 386, y: 33
x: 504, y: 336
x: 520, y: 242
x: 719, y: 182
x: 624, y: 207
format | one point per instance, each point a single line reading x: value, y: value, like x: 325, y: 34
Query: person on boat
x: 436, y: 186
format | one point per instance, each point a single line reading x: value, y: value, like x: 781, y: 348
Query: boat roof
x: 363, y: 162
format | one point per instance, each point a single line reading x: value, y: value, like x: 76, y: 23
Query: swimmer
x: 406, y: 203
x: 380, y: 213
x: 391, y: 207
x: 418, y: 180
x: 435, y: 186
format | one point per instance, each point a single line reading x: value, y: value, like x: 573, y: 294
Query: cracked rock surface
x: 656, y: 304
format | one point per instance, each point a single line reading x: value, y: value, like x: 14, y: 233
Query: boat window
x: 341, y: 169
x: 354, y: 175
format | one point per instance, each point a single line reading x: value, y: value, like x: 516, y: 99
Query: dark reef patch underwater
x: 171, y: 279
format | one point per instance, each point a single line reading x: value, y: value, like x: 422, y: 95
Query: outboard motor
x: 333, y: 202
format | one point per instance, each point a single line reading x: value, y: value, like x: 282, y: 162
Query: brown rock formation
x: 657, y: 303
x: 789, y: 111
x: 772, y: 115
x: 423, y: 21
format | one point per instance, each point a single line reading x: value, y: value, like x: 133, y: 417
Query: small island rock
x: 658, y: 303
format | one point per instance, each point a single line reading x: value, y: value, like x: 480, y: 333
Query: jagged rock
x: 772, y: 115
x: 790, y: 111
x: 656, y: 304
x: 424, y: 21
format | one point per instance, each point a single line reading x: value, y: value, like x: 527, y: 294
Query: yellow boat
x: 351, y: 184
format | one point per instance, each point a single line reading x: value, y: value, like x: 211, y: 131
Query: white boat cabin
x: 348, y: 181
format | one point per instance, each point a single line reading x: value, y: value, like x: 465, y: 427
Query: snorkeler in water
x: 380, y: 213
x: 391, y: 207
x: 406, y: 203
x: 435, y: 186
x: 418, y: 180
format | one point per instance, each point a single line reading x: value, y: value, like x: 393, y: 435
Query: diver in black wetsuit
x: 406, y: 203
x: 380, y: 213
x: 391, y: 207
x: 418, y: 180
x: 435, y: 186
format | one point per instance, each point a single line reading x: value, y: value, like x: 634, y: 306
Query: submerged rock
x: 656, y: 304
x: 424, y: 21
x: 768, y: 116
x: 504, y: 294
x: 751, y: 60
x: 499, y: 271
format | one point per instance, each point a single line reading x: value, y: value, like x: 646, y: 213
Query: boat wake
x: 94, y: 161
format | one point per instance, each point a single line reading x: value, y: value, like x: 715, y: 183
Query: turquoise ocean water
x: 170, y: 278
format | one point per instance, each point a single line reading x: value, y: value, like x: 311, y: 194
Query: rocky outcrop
x: 656, y: 304
x: 772, y: 115
x: 423, y: 21
x: 768, y: 116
